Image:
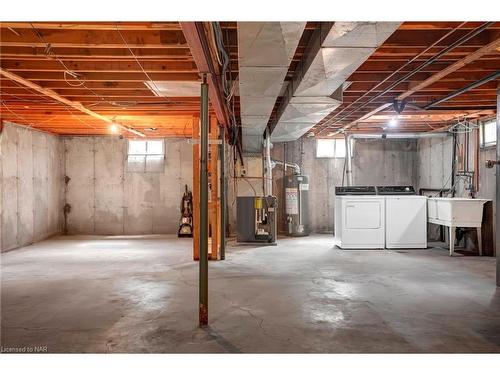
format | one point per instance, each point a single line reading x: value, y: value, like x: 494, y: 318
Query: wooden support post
x: 196, y: 187
x: 214, y: 206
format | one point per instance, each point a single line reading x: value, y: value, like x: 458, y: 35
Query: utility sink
x: 457, y: 212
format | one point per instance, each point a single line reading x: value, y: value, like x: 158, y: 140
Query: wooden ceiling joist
x: 69, y: 103
x: 113, y: 62
x: 97, y: 39
x: 114, y: 81
x: 110, y: 77
x: 136, y: 26
x: 493, y: 46
x: 51, y: 65
x: 470, y: 62
x: 97, y: 53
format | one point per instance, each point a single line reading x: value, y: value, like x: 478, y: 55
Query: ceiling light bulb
x: 393, y: 121
x: 114, y: 128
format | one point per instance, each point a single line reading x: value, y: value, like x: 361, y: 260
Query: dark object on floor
x: 186, y: 223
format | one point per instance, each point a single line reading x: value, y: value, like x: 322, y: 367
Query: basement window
x: 331, y: 148
x: 488, y: 133
x: 145, y: 156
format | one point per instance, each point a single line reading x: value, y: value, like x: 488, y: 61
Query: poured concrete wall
x: 31, y: 193
x: 435, y: 164
x: 435, y: 160
x: 375, y: 162
x: 384, y: 162
x: 107, y: 199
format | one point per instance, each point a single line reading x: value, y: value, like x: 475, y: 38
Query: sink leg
x: 479, y: 241
x: 452, y: 240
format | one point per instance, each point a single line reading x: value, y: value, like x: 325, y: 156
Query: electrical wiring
x: 24, y: 99
x: 81, y: 82
x: 78, y: 119
x: 250, y: 184
x: 44, y: 98
x: 233, y: 89
x: 139, y: 63
x: 23, y: 119
x: 221, y: 55
x: 214, y: 42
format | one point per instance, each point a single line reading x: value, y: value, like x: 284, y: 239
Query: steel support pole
x: 203, y: 312
x: 497, y: 212
x: 222, y: 156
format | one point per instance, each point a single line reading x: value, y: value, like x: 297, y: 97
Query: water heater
x: 297, y: 205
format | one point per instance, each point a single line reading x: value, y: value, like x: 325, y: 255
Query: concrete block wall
x: 107, y: 199
x: 31, y: 192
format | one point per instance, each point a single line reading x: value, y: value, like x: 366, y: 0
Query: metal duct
x: 265, y: 50
x: 334, y: 52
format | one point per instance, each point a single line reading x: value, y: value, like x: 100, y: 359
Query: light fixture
x: 393, y: 121
x: 114, y: 128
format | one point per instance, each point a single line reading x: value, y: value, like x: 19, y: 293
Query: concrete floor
x: 133, y: 294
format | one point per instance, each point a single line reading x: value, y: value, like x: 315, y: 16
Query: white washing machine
x: 359, y: 218
x: 405, y: 218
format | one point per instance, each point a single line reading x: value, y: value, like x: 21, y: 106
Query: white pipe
x: 268, y: 169
x: 295, y: 166
x: 348, y: 137
x: 348, y: 169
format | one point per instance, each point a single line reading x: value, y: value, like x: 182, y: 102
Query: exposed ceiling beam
x: 69, y: 38
x: 48, y: 65
x: 452, y: 68
x: 112, y: 77
x: 196, y: 38
x: 144, y: 26
x: 59, y: 98
x: 431, y: 80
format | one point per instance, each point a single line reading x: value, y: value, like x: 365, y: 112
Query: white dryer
x: 359, y: 218
x: 405, y: 217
